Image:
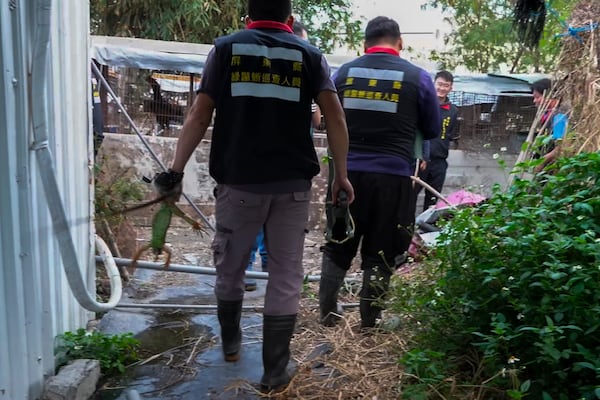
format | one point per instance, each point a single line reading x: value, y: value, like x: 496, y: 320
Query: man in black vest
x: 386, y: 100
x: 250, y: 284
x: 261, y: 82
x: 435, y: 164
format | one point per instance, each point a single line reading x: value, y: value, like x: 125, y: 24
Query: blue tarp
x: 149, y: 54
x: 190, y: 57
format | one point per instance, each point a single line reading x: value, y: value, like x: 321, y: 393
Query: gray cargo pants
x: 239, y: 217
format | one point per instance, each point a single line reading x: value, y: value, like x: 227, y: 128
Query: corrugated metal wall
x: 36, y: 302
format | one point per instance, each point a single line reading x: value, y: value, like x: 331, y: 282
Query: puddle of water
x: 184, y: 361
x: 167, y: 350
x: 172, y: 333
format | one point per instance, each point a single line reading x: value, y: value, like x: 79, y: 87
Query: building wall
x: 36, y: 302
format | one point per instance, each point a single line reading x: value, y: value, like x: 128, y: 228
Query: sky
x: 407, y: 13
x: 411, y: 19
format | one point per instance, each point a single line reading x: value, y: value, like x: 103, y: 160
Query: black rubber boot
x: 332, y: 278
x: 277, y: 334
x: 375, y: 284
x: 230, y: 313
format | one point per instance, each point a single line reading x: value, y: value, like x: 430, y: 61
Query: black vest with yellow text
x: 440, y: 147
x: 263, y: 110
x: 380, y: 96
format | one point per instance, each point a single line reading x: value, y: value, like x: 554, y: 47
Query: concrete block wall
x: 75, y: 381
x: 122, y: 152
x: 477, y: 172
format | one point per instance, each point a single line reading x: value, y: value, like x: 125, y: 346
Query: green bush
x: 511, y: 297
x: 114, y: 352
x: 113, y: 192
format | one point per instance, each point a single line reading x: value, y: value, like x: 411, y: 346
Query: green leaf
x: 557, y: 275
x: 584, y: 365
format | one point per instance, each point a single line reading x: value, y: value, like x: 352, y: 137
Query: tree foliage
x: 330, y: 24
x: 200, y: 21
x: 483, y: 37
x: 185, y: 21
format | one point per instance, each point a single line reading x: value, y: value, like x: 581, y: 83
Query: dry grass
x: 342, y: 362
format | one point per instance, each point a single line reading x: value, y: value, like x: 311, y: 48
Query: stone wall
x: 125, y: 154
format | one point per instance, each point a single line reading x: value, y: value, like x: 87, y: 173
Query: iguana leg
x: 195, y: 224
x: 137, y: 256
x: 167, y: 257
x: 139, y: 253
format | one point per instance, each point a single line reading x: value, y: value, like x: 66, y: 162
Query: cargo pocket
x: 302, y: 205
x: 302, y: 196
x: 219, y: 247
x: 236, y: 208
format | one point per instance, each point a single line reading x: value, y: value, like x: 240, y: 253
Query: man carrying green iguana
x: 262, y: 81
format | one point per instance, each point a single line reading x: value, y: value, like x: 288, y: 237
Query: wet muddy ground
x: 180, y: 348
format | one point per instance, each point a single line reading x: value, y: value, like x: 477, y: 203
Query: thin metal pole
x: 143, y: 139
x: 206, y: 307
x: 193, y: 269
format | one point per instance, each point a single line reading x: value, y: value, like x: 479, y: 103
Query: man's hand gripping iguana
x: 168, y: 185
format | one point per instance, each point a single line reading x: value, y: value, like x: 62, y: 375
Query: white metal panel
x: 71, y: 126
x: 36, y: 302
x: 13, y: 87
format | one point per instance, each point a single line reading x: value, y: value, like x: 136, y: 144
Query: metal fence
x: 490, y: 123
x: 158, y: 102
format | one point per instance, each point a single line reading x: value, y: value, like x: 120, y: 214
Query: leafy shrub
x: 113, y: 193
x: 114, y: 352
x: 512, y: 297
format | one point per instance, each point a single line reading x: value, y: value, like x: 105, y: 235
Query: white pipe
x: 203, y: 307
x: 47, y: 172
x: 116, y: 285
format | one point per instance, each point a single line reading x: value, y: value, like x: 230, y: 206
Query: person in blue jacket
x: 259, y: 246
x: 554, y: 118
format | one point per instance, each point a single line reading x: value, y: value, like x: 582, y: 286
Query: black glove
x: 168, y: 182
x: 340, y: 225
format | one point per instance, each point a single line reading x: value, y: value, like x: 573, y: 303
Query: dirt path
x: 184, y: 344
